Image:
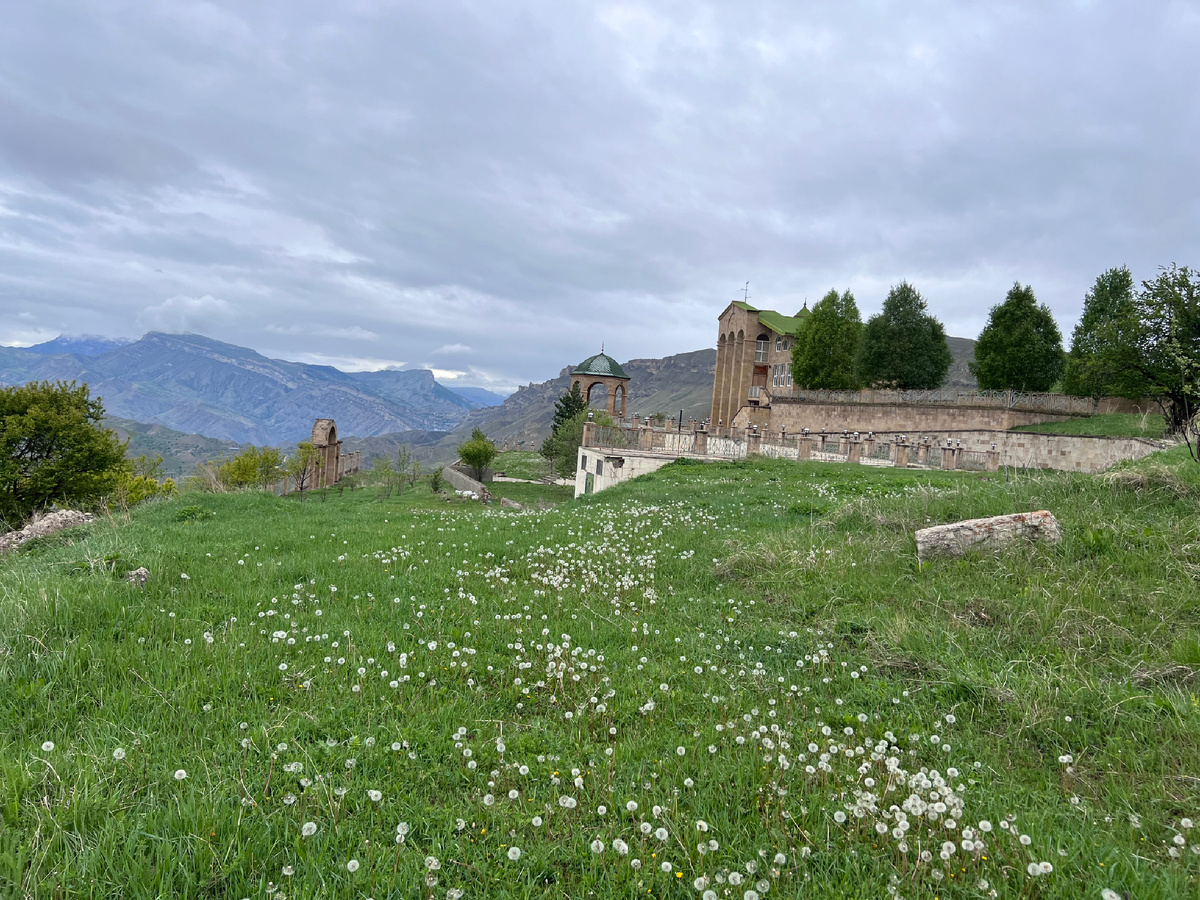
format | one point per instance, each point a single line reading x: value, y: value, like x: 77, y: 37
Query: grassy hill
x: 729, y: 677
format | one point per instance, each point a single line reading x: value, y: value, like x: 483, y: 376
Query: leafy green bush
x: 259, y: 466
x: 142, y: 481
x: 53, y: 449
x: 477, y: 453
x: 193, y: 513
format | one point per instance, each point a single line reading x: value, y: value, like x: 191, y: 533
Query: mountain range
x: 198, y: 385
x: 186, y: 395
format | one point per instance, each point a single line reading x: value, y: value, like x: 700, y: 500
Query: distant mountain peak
x: 195, y: 384
x: 79, y: 345
x: 478, y: 395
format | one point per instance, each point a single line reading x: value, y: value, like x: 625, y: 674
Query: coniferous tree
x: 826, y: 344
x: 1020, y: 347
x: 903, y: 346
x: 1105, y: 339
x: 567, y: 407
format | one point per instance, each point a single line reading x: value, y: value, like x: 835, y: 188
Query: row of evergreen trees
x: 1128, y: 343
x: 902, y: 347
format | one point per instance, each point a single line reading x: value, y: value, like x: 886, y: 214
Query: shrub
x: 194, y: 513
x: 53, y: 449
x: 142, y: 481
x: 253, y: 466
x: 477, y: 453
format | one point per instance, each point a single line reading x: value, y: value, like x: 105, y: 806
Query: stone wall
x: 599, y: 468
x: 1064, y: 452
x: 794, y: 417
x: 461, y: 481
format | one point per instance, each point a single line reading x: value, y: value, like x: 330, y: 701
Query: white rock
x: 990, y: 534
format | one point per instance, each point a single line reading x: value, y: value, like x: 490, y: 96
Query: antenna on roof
x: 746, y: 293
x: 602, y: 348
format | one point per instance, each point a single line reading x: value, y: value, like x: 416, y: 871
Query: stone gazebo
x: 602, y: 369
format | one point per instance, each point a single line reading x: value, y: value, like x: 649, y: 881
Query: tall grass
x: 680, y: 643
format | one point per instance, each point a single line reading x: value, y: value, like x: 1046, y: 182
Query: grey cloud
x: 182, y: 314
x: 531, y: 179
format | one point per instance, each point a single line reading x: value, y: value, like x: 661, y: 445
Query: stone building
x: 602, y: 370
x: 754, y: 356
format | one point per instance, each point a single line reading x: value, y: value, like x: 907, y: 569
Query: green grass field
x: 717, y: 681
x: 1152, y: 426
x: 521, y: 464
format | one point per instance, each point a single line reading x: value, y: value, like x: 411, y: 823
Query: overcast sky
x: 494, y: 188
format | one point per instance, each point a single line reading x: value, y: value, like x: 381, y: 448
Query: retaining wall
x: 461, y: 481
x: 599, y: 468
x: 794, y: 416
x: 1064, y: 452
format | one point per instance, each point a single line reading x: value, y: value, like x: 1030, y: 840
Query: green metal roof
x: 600, y: 364
x: 778, y: 323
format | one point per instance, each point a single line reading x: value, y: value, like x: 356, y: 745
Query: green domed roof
x: 600, y: 364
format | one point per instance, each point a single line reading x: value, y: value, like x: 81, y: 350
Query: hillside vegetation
x: 728, y: 680
x: 180, y: 452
